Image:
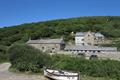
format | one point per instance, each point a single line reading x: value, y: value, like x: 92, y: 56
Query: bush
x: 26, y: 58
x: 3, y: 54
x: 95, y: 68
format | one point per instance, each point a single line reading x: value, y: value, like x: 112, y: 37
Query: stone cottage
x: 88, y: 38
x: 48, y: 45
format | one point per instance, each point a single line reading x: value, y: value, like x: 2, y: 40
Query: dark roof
x: 82, y: 34
x: 88, y: 47
x: 46, y: 41
x: 98, y: 34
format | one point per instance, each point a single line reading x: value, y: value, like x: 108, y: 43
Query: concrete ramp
x: 4, y: 67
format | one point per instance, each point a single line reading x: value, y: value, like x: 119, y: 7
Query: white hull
x: 61, y: 75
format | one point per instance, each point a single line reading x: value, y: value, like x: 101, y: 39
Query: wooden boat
x: 61, y: 75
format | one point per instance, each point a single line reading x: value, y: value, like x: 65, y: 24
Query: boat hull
x: 56, y: 76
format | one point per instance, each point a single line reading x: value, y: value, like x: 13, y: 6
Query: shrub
x: 26, y: 58
x: 95, y: 68
x: 3, y: 54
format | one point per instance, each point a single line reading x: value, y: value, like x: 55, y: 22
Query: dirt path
x: 6, y: 75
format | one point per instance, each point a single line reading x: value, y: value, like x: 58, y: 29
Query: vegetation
x: 107, y: 25
x: 83, y: 77
x: 94, y: 68
x: 3, y: 54
x: 26, y: 58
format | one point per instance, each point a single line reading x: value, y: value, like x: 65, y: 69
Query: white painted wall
x: 78, y: 40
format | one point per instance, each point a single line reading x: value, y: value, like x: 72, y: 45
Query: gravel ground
x: 6, y: 75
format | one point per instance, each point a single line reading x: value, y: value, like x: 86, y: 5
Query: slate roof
x: 82, y: 34
x: 88, y: 47
x: 46, y: 41
x: 98, y: 34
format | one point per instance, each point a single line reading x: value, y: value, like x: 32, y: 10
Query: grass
x: 3, y: 62
x: 83, y: 77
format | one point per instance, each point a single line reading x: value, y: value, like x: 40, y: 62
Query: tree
x: 26, y: 58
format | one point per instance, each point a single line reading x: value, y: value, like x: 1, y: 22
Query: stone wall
x: 47, y: 47
x: 89, y: 38
x: 103, y: 55
x: 106, y: 55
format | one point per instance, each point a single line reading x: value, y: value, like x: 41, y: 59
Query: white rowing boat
x: 61, y: 75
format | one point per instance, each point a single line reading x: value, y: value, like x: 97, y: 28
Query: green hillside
x: 107, y: 25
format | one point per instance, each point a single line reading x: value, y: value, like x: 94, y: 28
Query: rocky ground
x: 6, y: 75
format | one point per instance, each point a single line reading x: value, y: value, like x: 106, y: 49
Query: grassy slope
x: 109, y: 26
x: 94, y: 78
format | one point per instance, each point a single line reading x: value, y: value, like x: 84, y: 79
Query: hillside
x: 107, y: 25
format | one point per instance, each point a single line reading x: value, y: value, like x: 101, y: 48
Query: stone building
x: 48, y: 45
x: 89, y: 49
x: 93, y: 52
x: 88, y: 38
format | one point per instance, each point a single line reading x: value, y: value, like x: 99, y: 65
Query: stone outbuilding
x: 89, y: 49
x: 48, y: 45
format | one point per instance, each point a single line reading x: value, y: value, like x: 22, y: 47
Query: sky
x: 15, y: 12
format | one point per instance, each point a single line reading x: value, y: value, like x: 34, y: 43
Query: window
x: 83, y: 44
x: 92, y: 57
x: 98, y: 51
x: 53, y: 48
x: 43, y: 47
x: 89, y: 44
x: 82, y: 39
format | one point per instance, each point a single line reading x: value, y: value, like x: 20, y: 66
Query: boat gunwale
x: 77, y: 75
